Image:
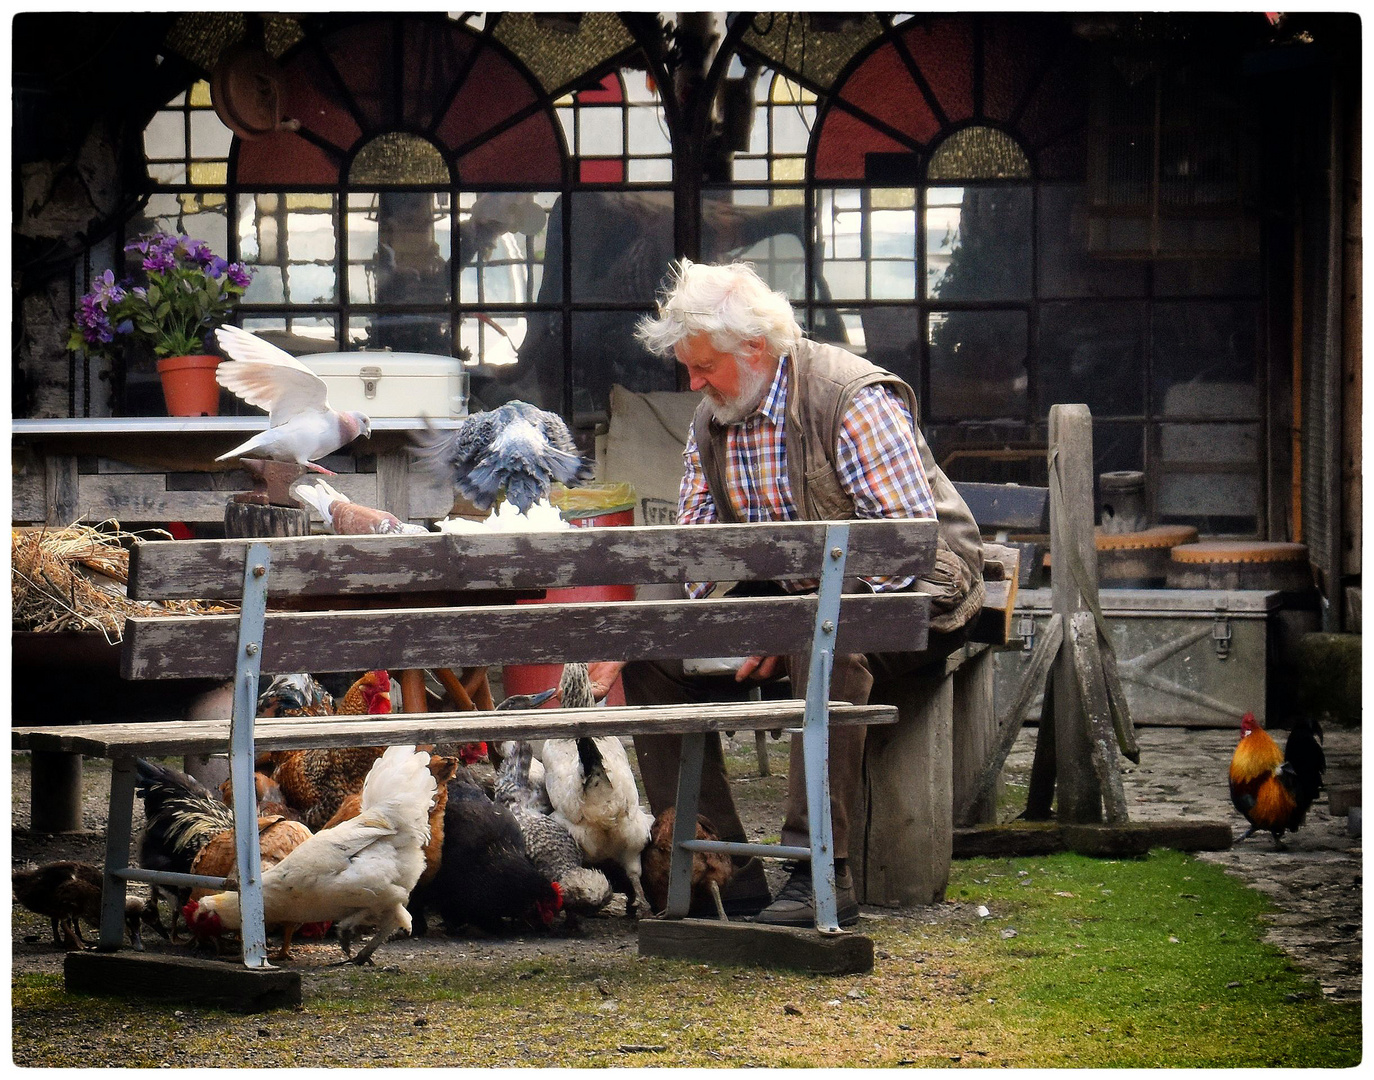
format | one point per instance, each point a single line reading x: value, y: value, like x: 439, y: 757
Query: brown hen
x: 710, y: 870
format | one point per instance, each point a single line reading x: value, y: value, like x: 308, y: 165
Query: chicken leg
x: 715, y: 895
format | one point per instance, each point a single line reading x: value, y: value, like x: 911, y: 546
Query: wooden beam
x: 1010, y: 507
x: 1116, y: 698
x: 757, y: 945
x: 1092, y: 690
x: 1074, y: 550
x: 398, y: 729
x: 205, y: 646
x: 1040, y: 795
x: 455, y: 562
x: 1042, y: 656
x: 187, y: 979
x: 1022, y: 838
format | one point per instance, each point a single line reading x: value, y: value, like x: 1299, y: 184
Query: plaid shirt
x: 878, y: 463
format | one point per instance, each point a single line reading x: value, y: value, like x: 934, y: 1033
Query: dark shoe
x: 796, y: 904
x: 744, y: 895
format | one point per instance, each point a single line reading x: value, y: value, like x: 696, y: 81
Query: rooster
x: 68, y: 892
x: 271, y: 801
x: 710, y: 870
x: 1273, y: 791
x: 316, y: 782
x: 485, y: 874
x: 358, y: 873
x: 593, y: 791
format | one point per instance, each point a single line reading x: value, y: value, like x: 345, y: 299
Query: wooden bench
x: 335, y: 574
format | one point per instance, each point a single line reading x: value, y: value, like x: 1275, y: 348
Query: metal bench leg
x: 251, y: 622
x: 685, y: 825
x: 118, y: 834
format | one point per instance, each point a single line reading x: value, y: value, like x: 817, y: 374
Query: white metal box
x: 1189, y: 657
x: 393, y: 383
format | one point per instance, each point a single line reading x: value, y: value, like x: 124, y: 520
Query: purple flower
x: 126, y: 327
x: 198, y: 251
x: 140, y: 292
x: 140, y: 245
x: 93, y: 323
x: 159, y: 262
x: 216, y: 267
x: 105, y: 292
x: 239, y: 275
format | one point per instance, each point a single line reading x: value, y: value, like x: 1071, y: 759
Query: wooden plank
x: 1006, y: 506
x: 975, y: 731
x: 62, y: 490
x: 218, y: 983
x: 1016, y: 838
x: 205, y: 646
x: 1043, y: 655
x: 903, y: 841
x: 1116, y: 698
x: 994, y: 621
x: 1092, y: 690
x: 331, y: 565
x: 1040, y: 792
x: 209, y: 736
x: 1070, y: 463
x: 144, y: 497
x: 756, y: 945
x: 1022, y: 838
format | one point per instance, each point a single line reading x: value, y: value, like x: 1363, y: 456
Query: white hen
x: 593, y: 791
x: 360, y: 872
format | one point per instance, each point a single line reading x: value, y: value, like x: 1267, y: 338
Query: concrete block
x: 1342, y: 797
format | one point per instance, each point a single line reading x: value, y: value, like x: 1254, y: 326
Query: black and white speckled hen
x: 516, y: 448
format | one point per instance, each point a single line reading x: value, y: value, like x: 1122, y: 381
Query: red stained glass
x: 607, y: 93
x: 883, y: 88
x: 1013, y: 50
x: 434, y: 55
x: 943, y: 50
x: 284, y: 158
x: 308, y: 95
x: 492, y: 91
x: 601, y: 170
x: 844, y: 145
x: 527, y: 153
x: 1060, y: 103
x: 362, y: 55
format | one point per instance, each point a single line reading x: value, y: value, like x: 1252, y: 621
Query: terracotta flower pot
x: 188, y: 384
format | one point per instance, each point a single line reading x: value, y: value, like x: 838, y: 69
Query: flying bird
x: 301, y: 426
x: 516, y: 448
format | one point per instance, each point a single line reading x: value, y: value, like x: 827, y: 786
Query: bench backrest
x: 344, y: 572
x: 1007, y: 507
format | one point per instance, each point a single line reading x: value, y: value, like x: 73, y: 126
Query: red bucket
x: 532, y: 678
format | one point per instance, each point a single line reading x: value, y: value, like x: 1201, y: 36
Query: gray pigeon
x: 516, y: 447
x: 301, y: 426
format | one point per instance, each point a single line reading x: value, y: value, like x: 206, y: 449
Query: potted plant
x: 187, y: 290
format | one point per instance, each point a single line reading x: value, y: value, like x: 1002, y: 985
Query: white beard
x: 753, y: 384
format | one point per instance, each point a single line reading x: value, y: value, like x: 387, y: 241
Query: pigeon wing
x: 263, y: 375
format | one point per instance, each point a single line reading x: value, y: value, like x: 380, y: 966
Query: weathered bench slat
x: 212, y: 736
x: 1007, y: 506
x: 204, y: 646
x: 331, y: 565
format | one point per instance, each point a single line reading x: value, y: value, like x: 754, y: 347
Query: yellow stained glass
x: 787, y: 92
x: 978, y: 153
x: 892, y: 198
x: 787, y: 198
x: 398, y: 157
x: 267, y: 204
x: 789, y: 168
x: 309, y: 202
x: 200, y: 94
x: 209, y: 172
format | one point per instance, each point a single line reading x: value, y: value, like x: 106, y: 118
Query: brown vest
x: 822, y: 382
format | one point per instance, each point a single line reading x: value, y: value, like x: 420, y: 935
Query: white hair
x: 731, y: 304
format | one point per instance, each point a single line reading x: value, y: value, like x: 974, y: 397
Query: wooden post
x: 1040, y: 795
x: 905, y: 850
x: 1073, y: 548
x: 975, y: 736
x: 243, y: 517
x: 55, y: 792
x: 1092, y: 689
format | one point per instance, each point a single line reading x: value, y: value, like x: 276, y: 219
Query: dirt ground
x: 1315, y: 882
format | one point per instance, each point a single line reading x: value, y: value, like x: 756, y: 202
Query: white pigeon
x: 301, y: 426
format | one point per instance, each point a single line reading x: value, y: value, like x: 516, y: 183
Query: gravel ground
x: 1315, y: 881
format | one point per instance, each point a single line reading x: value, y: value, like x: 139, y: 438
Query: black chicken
x: 68, y: 892
x: 516, y: 447
x: 485, y: 877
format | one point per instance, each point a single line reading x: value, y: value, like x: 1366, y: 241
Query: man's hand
x: 758, y: 668
x: 603, y: 675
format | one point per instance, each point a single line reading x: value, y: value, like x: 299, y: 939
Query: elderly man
x: 790, y: 429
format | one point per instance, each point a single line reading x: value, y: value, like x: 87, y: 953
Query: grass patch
x: 1091, y: 977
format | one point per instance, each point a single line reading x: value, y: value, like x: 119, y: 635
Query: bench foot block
x: 756, y: 945
x: 223, y: 984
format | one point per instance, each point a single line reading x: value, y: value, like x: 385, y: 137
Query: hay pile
x: 75, y: 578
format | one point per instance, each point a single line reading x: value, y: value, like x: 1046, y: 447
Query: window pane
x: 650, y: 170
x: 978, y: 364
x: 401, y: 255
x: 1207, y: 277
x: 1093, y: 353
x: 601, y: 132
x: 605, y: 352
x: 296, y: 334
x: 209, y: 137
x: 978, y: 243
x: 290, y: 240
x: 622, y: 244
x: 502, y: 237
x: 648, y: 132
x: 886, y: 336
x: 536, y: 377
x: 867, y: 242
x: 1066, y: 268
x: 1209, y: 476
x: 165, y: 135
x: 199, y: 216
x: 412, y: 332
x: 1206, y: 359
